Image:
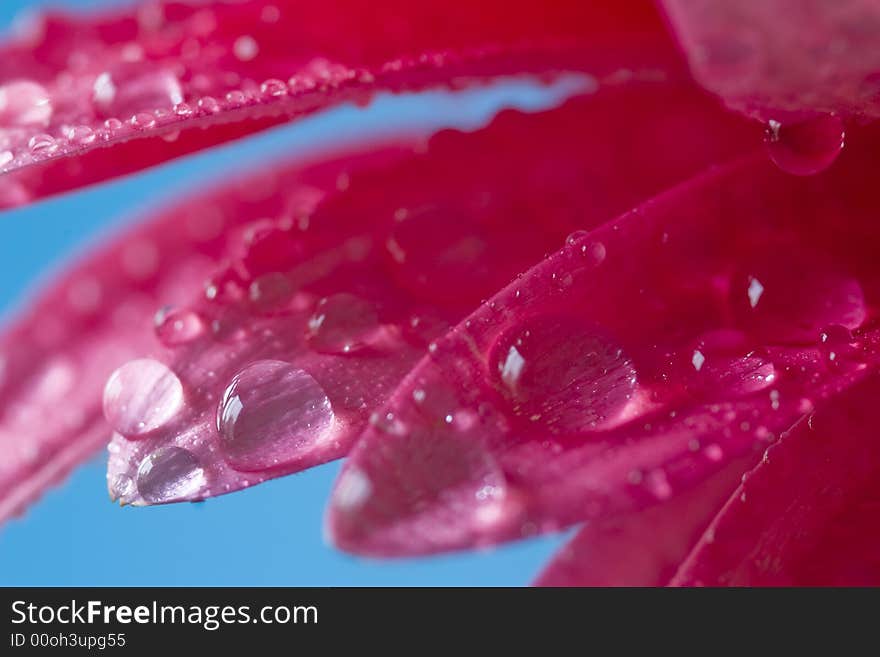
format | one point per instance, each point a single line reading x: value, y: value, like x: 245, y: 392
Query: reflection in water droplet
x: 565, y: 374
x: 168, y: 474
x: 178, y: 326
x: 341, y: 324
x: 270, y: 414
x: 141, y: 396
x: 805, y: 148
x: 121, y: 486
x: 24, y: 103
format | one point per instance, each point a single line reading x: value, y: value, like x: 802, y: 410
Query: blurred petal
x: 809, y: 513
x: 337, y: 292
x: 642, y: 548
x: 628, y: 366
x: 784, y: 59
x: 86, y: 98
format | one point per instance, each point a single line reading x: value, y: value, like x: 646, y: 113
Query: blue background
x: 268, y: 535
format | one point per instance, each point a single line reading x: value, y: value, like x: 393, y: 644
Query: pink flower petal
x: 339, y: 286
x: 645, y: 547
x: 628, y: 366
x: 83, y: 99
x: 784, y: 59
x: 809, y: 513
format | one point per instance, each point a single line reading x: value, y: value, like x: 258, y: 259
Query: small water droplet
x: 82, y: 135
x: 5, y: 158
x: 341, y: 324
x: 594, y: 252
x: 574, y: 238
x: 270, y: 414
x: 133, y: 89
x: 24, y: 103
x: 209, y: 104
x: 141, y: 396
x: 564, y: 373
x: 805, y: 148
x: 273, y: 88
x: 245, y: 48
x: 42, y: 143
x: 178, y: 326
x: 143, y: 120
x: 170, y: 473
x: 121, y: 486
x: 270, y: 291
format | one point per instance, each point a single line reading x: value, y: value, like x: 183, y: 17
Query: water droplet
x: 836, y: 345
x: 564, y: 373
x: 121, y: 486
x: 594, y: 252
x: 141, y: 396
x: 5, y: 158
x: 178, y: 326
x: 24, y: 103
x: 82, y: 135
x: 341, y: 324
x: 576, y: 236
x: 805, y: 148
x: 270, y: 291
x: 42, y: 143
x: 143, y: 120
x: 209, y: 104
x: 270, y: 414
x: 170, y: 473
x: 273, y: 88
x: 245, y: 48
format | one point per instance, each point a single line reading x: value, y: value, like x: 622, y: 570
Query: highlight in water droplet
x: 805, y: 148
x: 271, y: 412
x: 141, y: 396
x: 169, y: 474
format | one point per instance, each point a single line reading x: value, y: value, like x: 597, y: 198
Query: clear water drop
x: 143, y: 120
x: 168, y: 474
x: 270, y: 414
x: 178, y: 326
x: 42, y: 143
x: 81, y: 135
x: 342, y: 324
x: 563, y: 373
x: 141, y: 396
x: 135, y: 89
x: 805, y: 148
x: 273, y: 88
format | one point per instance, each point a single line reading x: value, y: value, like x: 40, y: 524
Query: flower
x: 605, y: 313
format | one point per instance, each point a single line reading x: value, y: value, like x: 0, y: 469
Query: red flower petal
x: 85, y: 99
x: 785, y: 59
x: 626, y: 367
x: 809, y: 514
x: 330, y: 303
x: 642, y: 548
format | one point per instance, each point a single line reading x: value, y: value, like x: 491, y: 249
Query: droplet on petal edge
x: 191, y: 69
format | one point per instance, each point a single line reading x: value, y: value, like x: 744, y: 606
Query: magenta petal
x: 56, y: 356
x: 809, y: 513
x: 645, y: 547
x: 627, y: 367
x: 83, y: 99
x: 784, y: 59
x: 339, y: 285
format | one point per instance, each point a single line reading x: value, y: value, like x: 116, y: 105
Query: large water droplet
x: 168, y: 474
x: 341, y: 324
x: 24, y: 103
x: 563, y: 373
x: 270, y: 413
x: 805, y: 148
x: 141, y: 396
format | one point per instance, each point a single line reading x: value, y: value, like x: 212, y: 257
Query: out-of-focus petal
x: 809, y: 513
x: 86, y: 98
